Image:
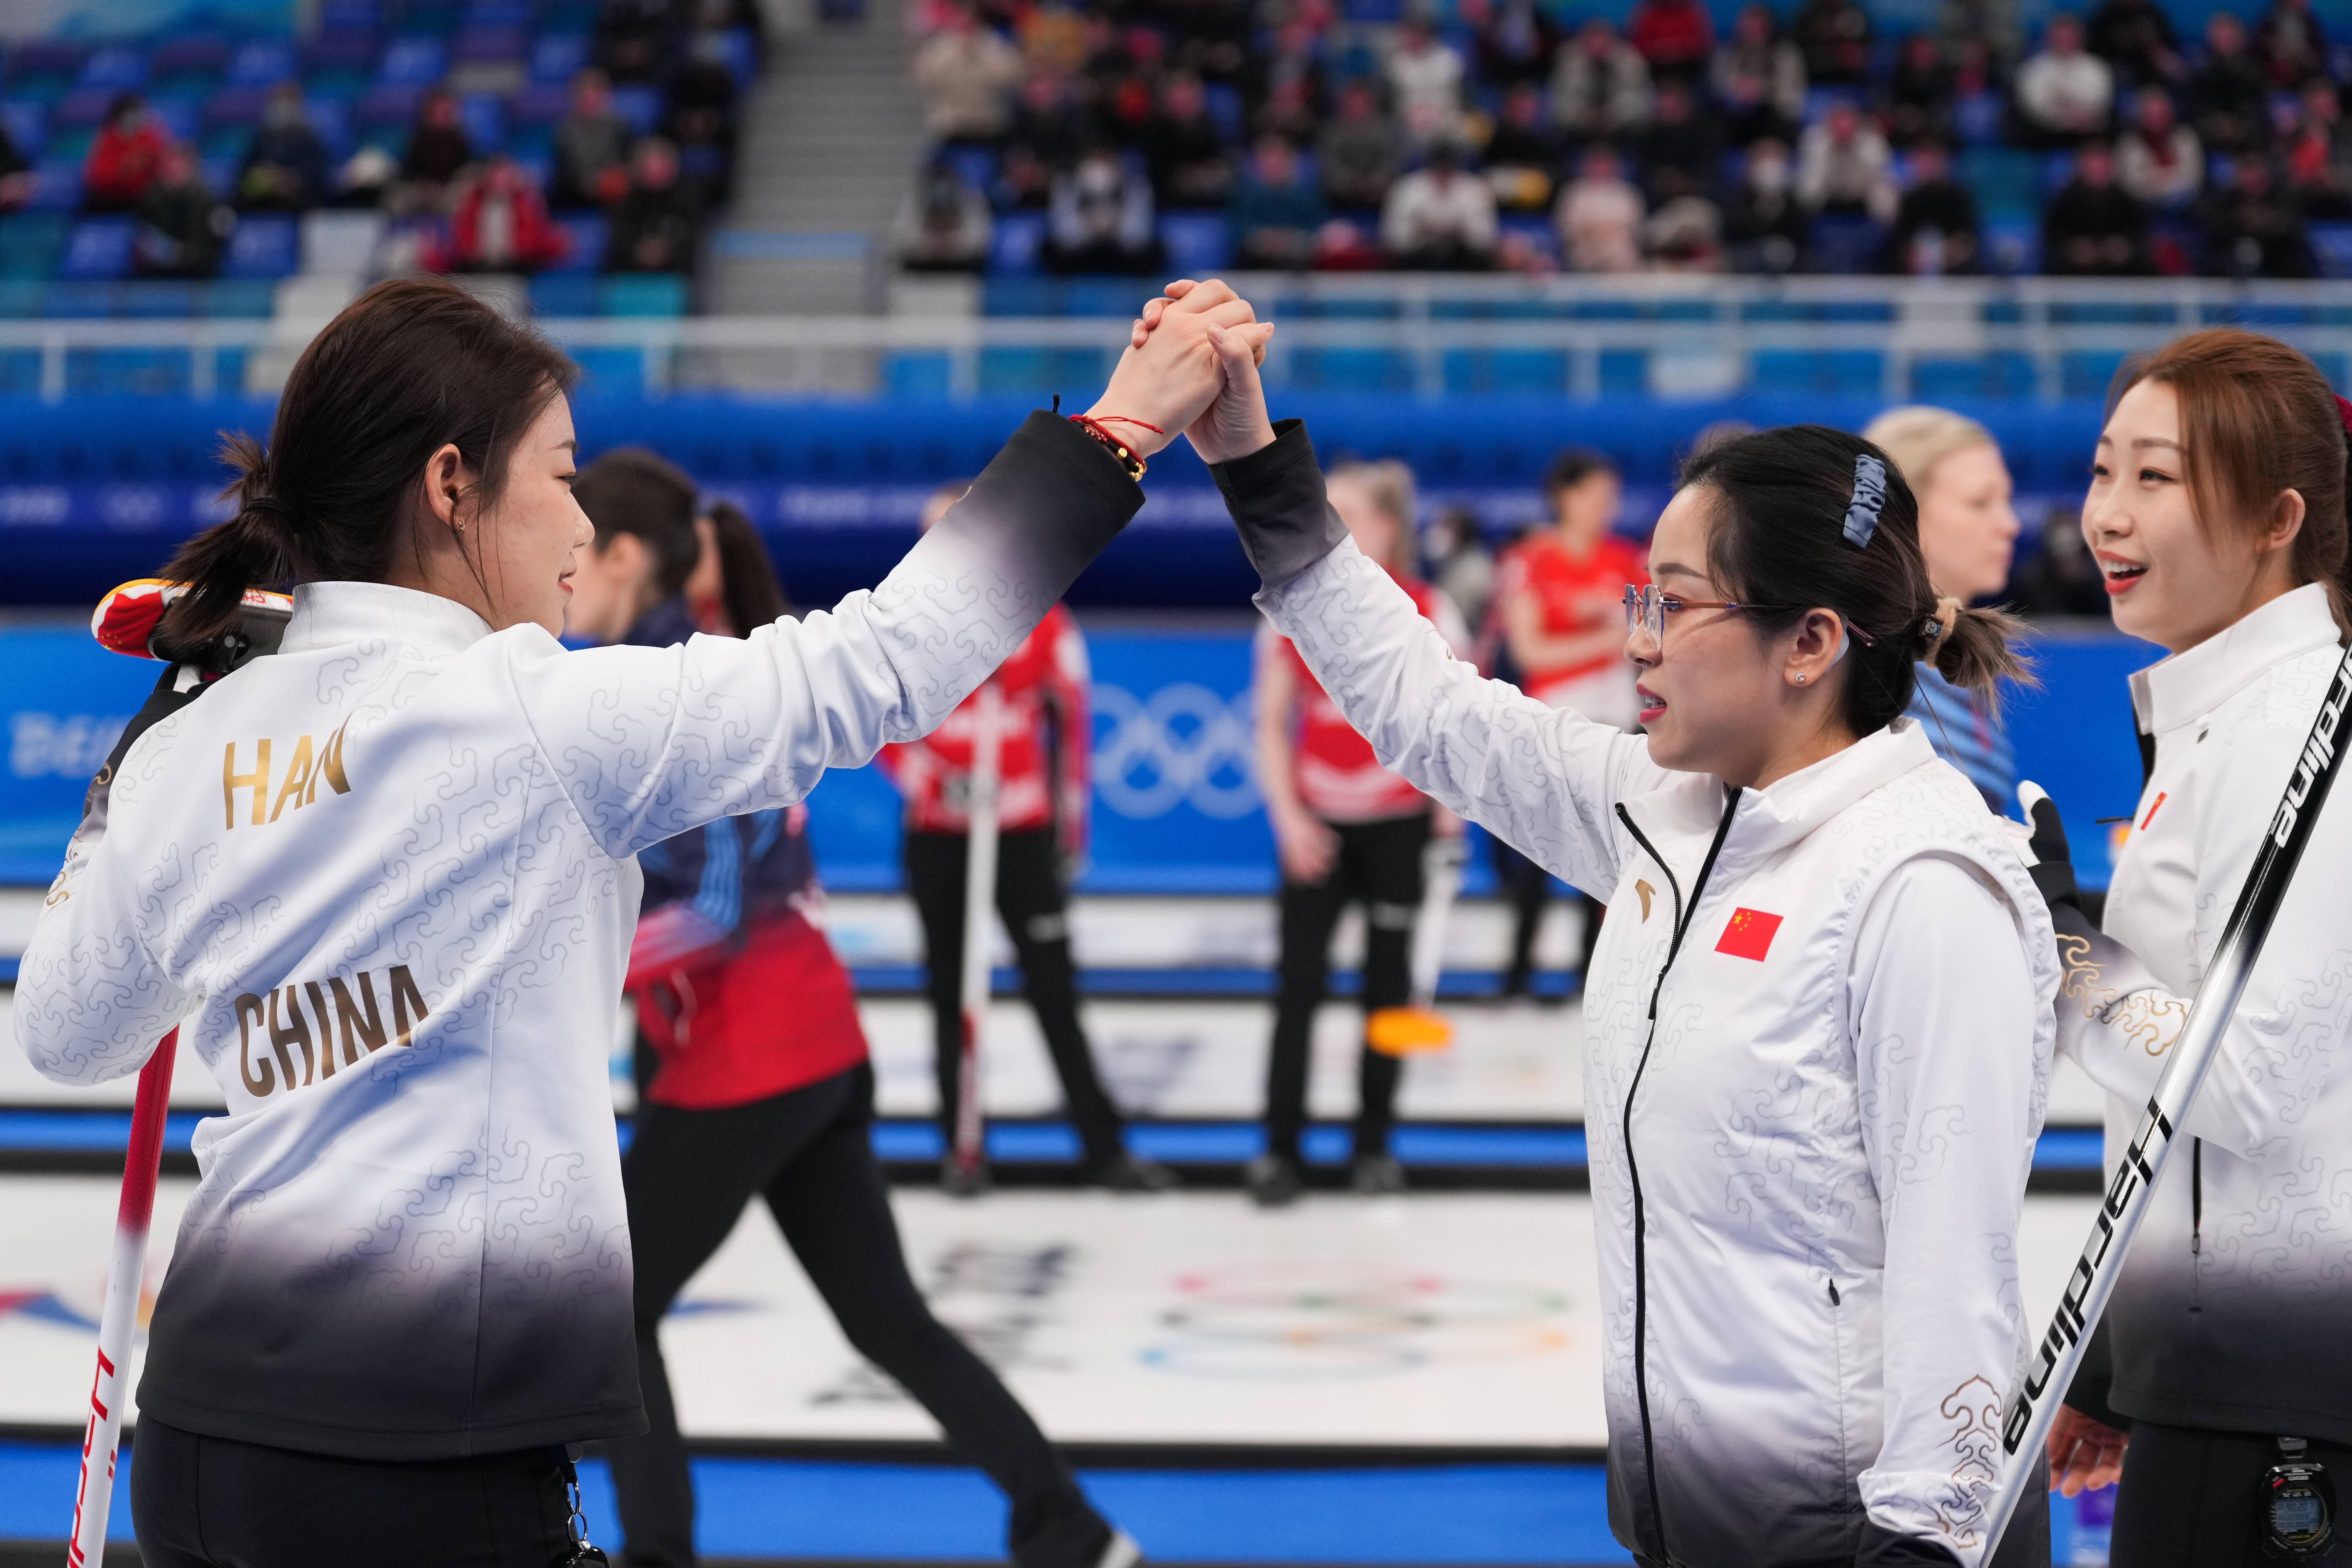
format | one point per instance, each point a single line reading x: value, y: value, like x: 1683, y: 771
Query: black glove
x: 2054, y: 866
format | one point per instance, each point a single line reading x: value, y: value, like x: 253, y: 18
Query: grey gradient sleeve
x: 1275, y: 496
x: 652, y: 742
x: 1545, y: 780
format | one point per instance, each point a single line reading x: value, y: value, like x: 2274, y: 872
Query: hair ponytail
x: 254, y: 549
x: 748, y: 587
x: 1979, y: 651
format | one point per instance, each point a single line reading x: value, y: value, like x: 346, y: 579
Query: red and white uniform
x: 1337, y: 776
x: 1578, y: 594
x: 1040, y: 781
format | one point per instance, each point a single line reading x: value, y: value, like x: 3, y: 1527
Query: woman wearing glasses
x: 1819, y: 1027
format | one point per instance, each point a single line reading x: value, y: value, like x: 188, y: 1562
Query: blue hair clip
x: 1869, y: 496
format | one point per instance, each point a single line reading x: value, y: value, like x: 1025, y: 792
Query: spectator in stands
x: 1523, y: 156
x: 1516, y: 41
x: 1053, y: 39
x: 2158, y: 159
x: 2065, y: 93
x: 944, y: 225
x: 965, y: 71
x: 1680, y: 152
x: 1991, y: 24
x: 1759, y: 79
x: 1277, y: 216
x: 1674, y: 38
x: 17, y: 181
x: 182, y: 227
x: 1844, y: 165
x: 1767, y: 226
x: 1684, y: 235
x: 1600, y: 89
x: 637, y: 39
x: 1100, y: 218
x: 654, y: 227
x: 1424, y: 77
x: 2316, y: 159
x: 1600, y: 215
x: 1282, y: 85
x: 1051, y: 121
x: 1935, y: 232
x: 1190, y: 165
x: 1289, y: 111
x: 2135, y: 38
x: 438, y: 149
x: 700, y: 118
x: 1440, y: 217
x: 499, y: 222
x: 2292, y: 46
x: 285, y: 167
x: 1359, y: 150
x: 1920, y: 95
x: 1835, y: 36
x: 2094, y: 227
x: 592, y: 146
x: 2229, y: 94
x: 126, y: 156
x: 2252, y: 229
x: 1124, y: 71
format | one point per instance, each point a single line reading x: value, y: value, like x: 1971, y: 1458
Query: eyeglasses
x: 1646, y: 609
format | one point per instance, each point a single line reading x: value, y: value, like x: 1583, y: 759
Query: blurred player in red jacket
x: 1044, y: 785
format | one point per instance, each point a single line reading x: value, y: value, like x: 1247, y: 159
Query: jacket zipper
x: 1684, y: 914
x: 2196, y: 1223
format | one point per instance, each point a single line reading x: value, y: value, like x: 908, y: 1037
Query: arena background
x: 1349, y: 1382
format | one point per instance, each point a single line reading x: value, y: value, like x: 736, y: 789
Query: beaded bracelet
x: 1126, y: 455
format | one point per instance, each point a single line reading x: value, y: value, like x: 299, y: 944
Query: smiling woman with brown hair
x: 396, y: 936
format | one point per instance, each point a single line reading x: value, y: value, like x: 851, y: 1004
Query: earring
x: 1801, y: 679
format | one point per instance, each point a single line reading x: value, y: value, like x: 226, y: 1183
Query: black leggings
x: 1029, y: 896
x: 809, y: 1154
x: 1528, y: 886
x: 1379, y: 864
x: 213, y: 1502
x: 2187, y: 1497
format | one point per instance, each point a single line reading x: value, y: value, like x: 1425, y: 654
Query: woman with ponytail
x: 397, y: 934
x: 1818, y: 1026
x: 2216, y: 514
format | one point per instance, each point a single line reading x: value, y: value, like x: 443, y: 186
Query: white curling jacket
x: 385, y: 880
x: 1818, y: 1031
x: 2232, y: 1307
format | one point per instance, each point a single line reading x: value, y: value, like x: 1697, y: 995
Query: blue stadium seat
x: 1197, y: 243
x: 2011, y: 246
x: 1379, y: 370
x: 413, y: 62
x: 2085, y: 373
x: 21, y: 298
x: 904, y: 375
x: 1110, y: 297
x: 975, y: 166
x: 738, y: 48
x: 262, y: 246
x: 539, y: 103
x: 1474, y: 372
x: 332, y: 119
x: 642, y: 294
x: 97, y: 250
x: 494, y: 45
x: 27, y: 122
x: 237, y: 106
x: 563, y: 294
x: 31, y: 244
x: 555, y: 58
x: 150, y: 373
x: 188, y: 54
x: 1846, y: 242
x: 58, y: 185
x: 156, y: 299
x: 2005, y: 181
x: 1989, y: 376
x: 116, y: 68
x: 262, y: 62
x: 241, y: 298
x: 484, y: 116
x: 84, y: 106
x: 641, y: 106
x: 387, y: 106
x: 79, y: 301
x: 617, y: 369
x: 1859, y: 372
x: 1021, y: 294
x: 2331, y: 248
x: 1032, y: 371
x: 585, y: 231
x: 1018, y: 243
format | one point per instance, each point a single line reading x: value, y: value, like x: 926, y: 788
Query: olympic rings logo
x: 1185, y: 746
x: 1324, y: 1322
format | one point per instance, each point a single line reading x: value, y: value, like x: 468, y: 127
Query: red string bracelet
x: 1127, y: 457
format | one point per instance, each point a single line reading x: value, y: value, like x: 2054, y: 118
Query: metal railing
x: 1701, y: 335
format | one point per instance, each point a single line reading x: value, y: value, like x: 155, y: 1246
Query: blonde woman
x: 1968, y: 530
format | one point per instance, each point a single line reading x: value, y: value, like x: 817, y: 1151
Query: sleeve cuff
x: 1275, y: 496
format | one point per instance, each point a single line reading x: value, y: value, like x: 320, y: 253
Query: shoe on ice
x: 1376, y: 1176
x: 958, y: 1183
x: 1274, y: 1182
x: 1127, y: 1174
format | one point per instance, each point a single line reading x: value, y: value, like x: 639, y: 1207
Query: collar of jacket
x: 329, y: 614
x: 1681, y: 818
x: 2186, y: 686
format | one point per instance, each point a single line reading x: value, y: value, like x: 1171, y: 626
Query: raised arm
x: 1545, y: 781
x: 652, y: 742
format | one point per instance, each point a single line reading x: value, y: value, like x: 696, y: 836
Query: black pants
x: 808, y: 1153
x: 1029, y: 896
x: 2187, y: 1497
x: 1528, y: 886
x: 213, y: 1502
x: 1379, y: 866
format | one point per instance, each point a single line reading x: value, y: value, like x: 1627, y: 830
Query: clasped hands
x: 1191, y: 368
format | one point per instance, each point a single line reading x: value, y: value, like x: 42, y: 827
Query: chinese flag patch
x: 1748, y: 934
